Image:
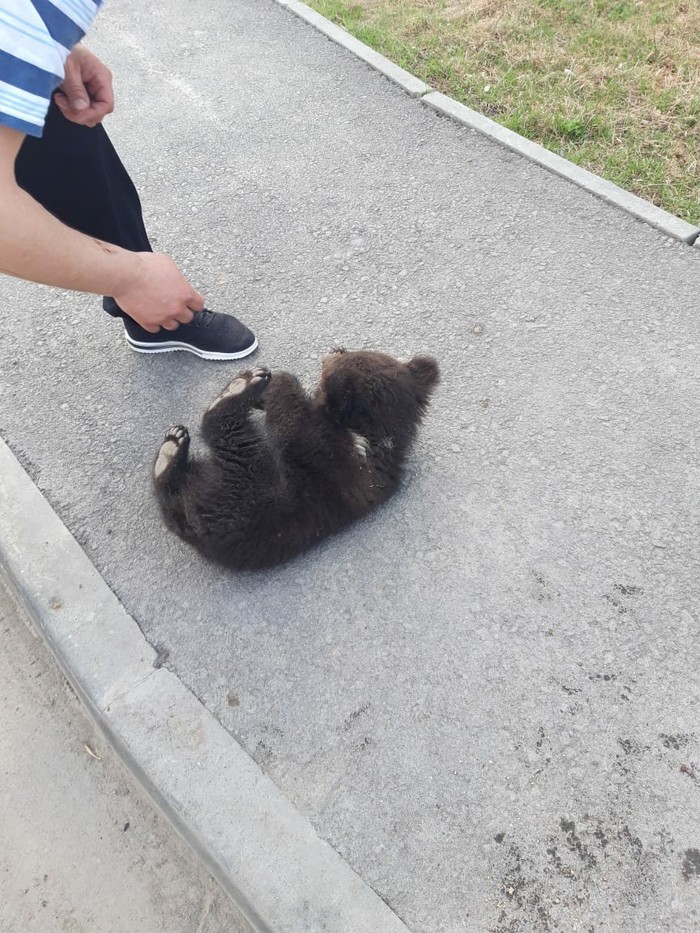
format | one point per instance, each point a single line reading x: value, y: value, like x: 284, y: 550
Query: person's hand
x: 86, y: 94
x: 156, y: 294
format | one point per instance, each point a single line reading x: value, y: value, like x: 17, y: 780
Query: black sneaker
x: 209, y: 335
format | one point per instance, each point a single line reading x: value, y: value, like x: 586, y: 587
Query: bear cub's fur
x: 273, y: 486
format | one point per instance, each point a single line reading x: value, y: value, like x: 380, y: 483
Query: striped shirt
x: 36, y: 37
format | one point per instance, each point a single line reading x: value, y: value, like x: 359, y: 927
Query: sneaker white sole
x: 170, y: 346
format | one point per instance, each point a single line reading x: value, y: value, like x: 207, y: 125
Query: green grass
x: 613, y: 85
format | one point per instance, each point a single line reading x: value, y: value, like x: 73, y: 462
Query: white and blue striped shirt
x: 36, y: 37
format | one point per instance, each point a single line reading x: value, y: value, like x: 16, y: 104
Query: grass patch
x: 613, y: 85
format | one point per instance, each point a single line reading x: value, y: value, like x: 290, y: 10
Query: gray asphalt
x: 486, y: 696
x: 81, y: 851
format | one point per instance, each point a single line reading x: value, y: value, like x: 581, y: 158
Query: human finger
x: 86, y: 117
x: 185, y: 317
x: 99, y: 86
x: 73, y: 88
x: 196, y: 301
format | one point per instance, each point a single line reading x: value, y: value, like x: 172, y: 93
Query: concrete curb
x: 630, y: 203
x: 668, y: 223
x: 412, y: 85
x: 264, y: 853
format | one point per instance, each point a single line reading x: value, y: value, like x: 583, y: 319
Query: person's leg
x: 75, y: 173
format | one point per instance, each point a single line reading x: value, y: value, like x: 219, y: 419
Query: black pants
x: 75, y: 173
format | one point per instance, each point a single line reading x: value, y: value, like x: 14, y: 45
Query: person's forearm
x: 148, y: 287
x: 35, y: 245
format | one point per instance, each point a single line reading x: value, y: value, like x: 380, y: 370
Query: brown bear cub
x: 272, y: 487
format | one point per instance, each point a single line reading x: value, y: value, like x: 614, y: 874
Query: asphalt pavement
x: 484, y: 697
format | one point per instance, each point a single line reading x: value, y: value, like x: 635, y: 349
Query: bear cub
x: 272, y: 486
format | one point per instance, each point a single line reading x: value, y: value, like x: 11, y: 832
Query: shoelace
x: 203, y: 318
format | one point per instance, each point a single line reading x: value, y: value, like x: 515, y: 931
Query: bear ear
x: 340, y: 396
x: 425, y: 372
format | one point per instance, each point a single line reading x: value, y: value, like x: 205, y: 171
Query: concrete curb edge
x: 605, y: 190
x: 412, y: 85
x: 264, y: 853
x: 638, y: 207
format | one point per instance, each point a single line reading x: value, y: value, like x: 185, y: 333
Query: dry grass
x: 613, y: 85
